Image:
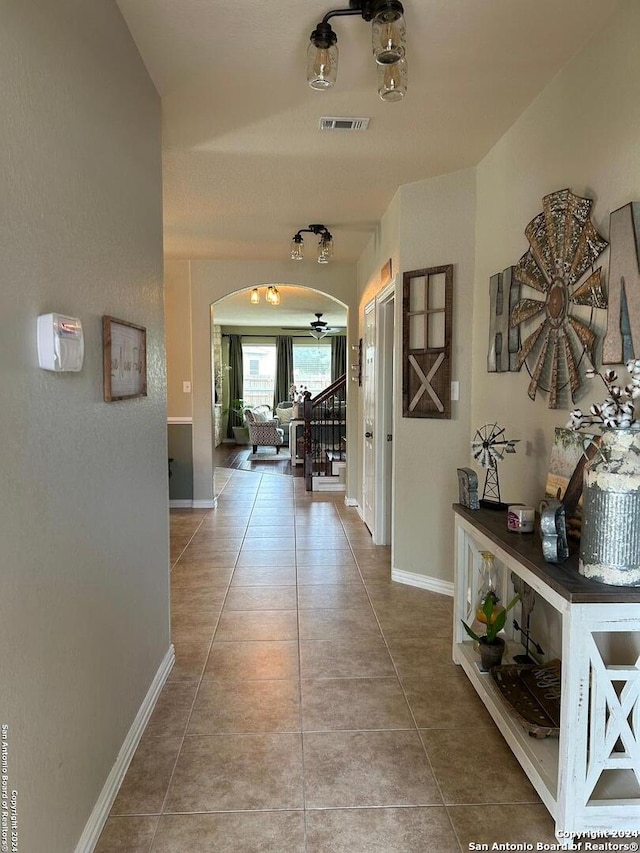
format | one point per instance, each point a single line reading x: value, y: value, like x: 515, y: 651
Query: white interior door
x: 384, y: 406
x: 369, y: 413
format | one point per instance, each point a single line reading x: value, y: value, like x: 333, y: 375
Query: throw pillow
x: 285, y: 415
x: 262, y: 414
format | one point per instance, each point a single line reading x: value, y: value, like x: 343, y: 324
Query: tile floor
x: 313, y: 705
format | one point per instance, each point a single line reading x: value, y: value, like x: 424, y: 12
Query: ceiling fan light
x: 255, y: 296
x: 322, y: 58
x: 318, y: 334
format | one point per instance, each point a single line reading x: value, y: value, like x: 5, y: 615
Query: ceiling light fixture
x: 325, y: 245
x: 272, y: 296
x: 388, y: 36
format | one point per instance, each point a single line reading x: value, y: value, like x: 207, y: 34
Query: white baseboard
x: 422, y: 581
x: 208, y: 504
x: 100, y: 813
x: 180, y: 504
x: 350, y: 501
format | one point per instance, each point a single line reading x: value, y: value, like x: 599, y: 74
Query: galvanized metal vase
x: 610, y: 539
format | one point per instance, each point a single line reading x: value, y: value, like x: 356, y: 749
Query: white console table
x: 588, y: 777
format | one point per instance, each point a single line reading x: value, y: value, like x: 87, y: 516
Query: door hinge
x: 389, y: 437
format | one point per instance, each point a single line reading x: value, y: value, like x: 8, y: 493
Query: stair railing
x: 325, y: 418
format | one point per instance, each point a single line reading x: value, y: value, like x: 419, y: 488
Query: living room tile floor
x: 313, y: 705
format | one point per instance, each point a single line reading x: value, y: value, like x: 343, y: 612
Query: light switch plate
x: 455, y: 390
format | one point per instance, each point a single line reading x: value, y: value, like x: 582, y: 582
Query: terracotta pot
x: 491, y: 653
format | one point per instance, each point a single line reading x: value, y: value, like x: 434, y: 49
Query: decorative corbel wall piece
x: 427, y: 311
x: 504, y: 339
x: 622, y: 340
x: 563, y: 245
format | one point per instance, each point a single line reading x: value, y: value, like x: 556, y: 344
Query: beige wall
x: 83, y: 509
x: 177, y: 306
x: 434, y: 224
x: 583, y: 132
x: 210, y: 281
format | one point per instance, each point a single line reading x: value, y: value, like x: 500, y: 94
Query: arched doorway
x: 246, y: 320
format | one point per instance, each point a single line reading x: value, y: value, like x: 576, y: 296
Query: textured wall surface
x: 83, y: 507
x: 434, y: 224
x: 582, y: 133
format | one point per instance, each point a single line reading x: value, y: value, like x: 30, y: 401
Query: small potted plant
x: 491, y: 645
x: 240, y: 431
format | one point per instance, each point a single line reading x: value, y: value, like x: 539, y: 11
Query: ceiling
x: 245, y: 165
x: 297, y: 308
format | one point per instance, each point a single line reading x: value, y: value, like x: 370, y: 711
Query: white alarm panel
x: 60, y: 342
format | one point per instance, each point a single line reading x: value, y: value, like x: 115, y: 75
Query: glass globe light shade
x: 322, y: 59
x: 392, y: 81
x: 388, y: 35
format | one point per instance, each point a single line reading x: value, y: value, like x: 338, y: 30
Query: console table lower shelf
x: 589, y: 775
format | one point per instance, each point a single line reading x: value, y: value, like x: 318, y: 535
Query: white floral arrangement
x: 297, y: 394
x: 617, y: 410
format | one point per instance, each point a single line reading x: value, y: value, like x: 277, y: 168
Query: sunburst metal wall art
x: 564, y: 244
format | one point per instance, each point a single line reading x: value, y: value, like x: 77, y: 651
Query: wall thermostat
x: 60, y: 342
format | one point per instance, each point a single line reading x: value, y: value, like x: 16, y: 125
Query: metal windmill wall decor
x: 563, y: 246
x: 489, y: 447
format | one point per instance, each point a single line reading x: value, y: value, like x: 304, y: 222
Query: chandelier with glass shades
x: 388, y: 43
x: 325, y: 244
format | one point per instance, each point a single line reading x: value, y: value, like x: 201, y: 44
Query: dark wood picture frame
x: 124, y: 360
x: 427, y: 317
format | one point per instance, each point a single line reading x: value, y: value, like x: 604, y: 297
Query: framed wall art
x: 125, y: 360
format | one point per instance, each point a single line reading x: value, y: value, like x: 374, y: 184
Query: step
x: 328, y: 484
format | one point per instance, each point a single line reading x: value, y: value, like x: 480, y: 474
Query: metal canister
x: 610, y: 538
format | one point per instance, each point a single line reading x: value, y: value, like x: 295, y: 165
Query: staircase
x: 325, y: 448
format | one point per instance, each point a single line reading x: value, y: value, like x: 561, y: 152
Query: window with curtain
x: 259, y: 374
x: 312, y: 365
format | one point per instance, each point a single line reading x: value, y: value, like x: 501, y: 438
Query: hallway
x: 313, y: 705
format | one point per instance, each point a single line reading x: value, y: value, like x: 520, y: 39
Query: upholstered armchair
x: 263, y: 431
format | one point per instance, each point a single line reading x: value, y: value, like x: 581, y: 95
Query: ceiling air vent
x: 333, y: 123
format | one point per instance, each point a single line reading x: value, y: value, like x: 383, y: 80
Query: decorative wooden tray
x: 533, y: 692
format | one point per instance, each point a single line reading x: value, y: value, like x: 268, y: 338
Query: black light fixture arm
x: 339, y: 13
x: 323, y: 36
x: 321, y: 230
x: 367, y: 9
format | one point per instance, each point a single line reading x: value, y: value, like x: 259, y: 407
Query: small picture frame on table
x: 124, y: 360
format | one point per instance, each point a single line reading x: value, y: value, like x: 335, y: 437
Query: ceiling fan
x: 317, y: 328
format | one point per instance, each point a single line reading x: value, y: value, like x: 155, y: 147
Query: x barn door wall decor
x: 427, y: 309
